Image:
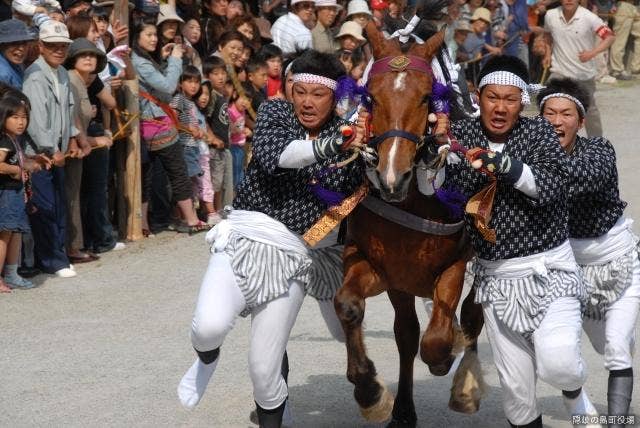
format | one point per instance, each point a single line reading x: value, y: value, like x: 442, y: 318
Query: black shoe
x: 622, y: 76
x: 270, y: 418
x: 28, y: 271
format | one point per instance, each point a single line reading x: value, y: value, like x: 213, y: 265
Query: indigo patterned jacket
x: 284, y: 194
x: 594, y: 199
x: 523, y: 225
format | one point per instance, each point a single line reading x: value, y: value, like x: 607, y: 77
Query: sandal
x: 196, y: 228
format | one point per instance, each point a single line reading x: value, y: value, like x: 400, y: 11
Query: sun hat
x: 358, y: 6
x: 168, y: 13
x: 13, y: 30
x: 82, y: 46
x: 328, y: 3
x: 54, y: 32
x: 351, y: 28
x: 483, y: 14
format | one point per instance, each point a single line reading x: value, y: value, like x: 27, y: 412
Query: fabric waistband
x: 559, y: 258
x: 618, y: 241
x: 255, y: 226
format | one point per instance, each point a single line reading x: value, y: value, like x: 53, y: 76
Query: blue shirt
x: 11, y: 74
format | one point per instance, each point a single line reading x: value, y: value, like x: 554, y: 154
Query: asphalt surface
x: 107, y: 348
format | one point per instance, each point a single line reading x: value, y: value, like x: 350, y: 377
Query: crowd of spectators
x: 204, y: 68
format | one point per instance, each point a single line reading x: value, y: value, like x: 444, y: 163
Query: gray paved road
x: 108, y: 347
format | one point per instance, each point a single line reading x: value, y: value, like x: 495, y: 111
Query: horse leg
x: 407, y: 332
x: 468, y: 383
x: 361, y: 281
x: 437, y: 342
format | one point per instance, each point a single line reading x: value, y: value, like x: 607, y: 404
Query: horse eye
x: 425, y: 99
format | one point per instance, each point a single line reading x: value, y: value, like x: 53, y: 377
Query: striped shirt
x: 188, y: 117
x: 291, y: 35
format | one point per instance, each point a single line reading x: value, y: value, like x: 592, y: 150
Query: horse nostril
x: 406, y: 177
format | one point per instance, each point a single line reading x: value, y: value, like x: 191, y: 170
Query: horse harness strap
x: 400, y: 63
x: 395, y: 133
x: 408, y: 220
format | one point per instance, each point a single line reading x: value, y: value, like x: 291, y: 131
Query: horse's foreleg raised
x: 407, y: 332
x: 437, y: 342
x: 468, y: 383
x: 360, y: 282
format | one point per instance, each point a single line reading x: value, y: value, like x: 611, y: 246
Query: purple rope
x: 349, y: 88
x: 440, y: 95
x: 453, y: 200
x: 329, y: 197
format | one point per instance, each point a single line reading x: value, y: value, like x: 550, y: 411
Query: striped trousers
x: 553, y: 354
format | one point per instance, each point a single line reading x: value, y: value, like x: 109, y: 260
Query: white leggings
x: 220, y: 301
x: 219, y: 304
x: 614, y: 337
x: 554, y: 356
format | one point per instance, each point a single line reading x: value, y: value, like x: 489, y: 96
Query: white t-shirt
x: 571, y: 38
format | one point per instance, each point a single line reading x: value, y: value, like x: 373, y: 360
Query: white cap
x: 358, y: 6
x: 54, y: 32
x: 351, y: 28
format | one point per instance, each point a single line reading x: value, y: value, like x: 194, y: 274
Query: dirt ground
x: 108, y: 347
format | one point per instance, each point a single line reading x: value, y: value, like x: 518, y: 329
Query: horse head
x: 399, y: 84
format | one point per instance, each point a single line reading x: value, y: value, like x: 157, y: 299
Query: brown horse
x: 385, y: 255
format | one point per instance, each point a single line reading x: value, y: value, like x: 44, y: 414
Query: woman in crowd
x: 214, y: 22
x: 158, y: 123
x: 83, y: 26
x: 168, y: 25
x: 191, y: 37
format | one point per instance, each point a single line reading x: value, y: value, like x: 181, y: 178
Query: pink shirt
x: 236, y: 126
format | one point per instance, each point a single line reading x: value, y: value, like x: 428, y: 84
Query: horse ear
x: 429, y: 48
x: 377, y: 40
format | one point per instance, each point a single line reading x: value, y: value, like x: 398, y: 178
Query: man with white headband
x: 259, y: 265
x: 527, y: 280
x: 602, y: 240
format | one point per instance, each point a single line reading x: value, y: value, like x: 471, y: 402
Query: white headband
x: 567, y: 96
x: 314, y: 78
x: 508, y: 78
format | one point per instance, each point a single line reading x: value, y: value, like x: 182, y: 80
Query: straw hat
x: 168, y: 13
x: 351, y: 28
x: 483, y: 14
x: 358, y: 6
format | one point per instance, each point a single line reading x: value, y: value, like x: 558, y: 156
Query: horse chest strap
x: 408, y: 220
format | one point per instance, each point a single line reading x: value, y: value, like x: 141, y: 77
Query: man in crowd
x: 290, y: 32
x: 322, y: 34
x: 52, y: 129
x: 626, y: 25
x: 571, y: 30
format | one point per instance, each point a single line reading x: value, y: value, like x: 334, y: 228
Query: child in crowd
x: 204, y: 186
x: 272, y: 55
x: 217, y: 117
x: 238, y: 134
x: 14, y: 173
x: 255, y: 86
x: 189, y: 132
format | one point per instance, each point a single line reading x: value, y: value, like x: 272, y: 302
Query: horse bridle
x: 398, y: 64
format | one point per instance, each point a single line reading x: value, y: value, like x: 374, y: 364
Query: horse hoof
x: 395, y: 423
x: 380, y: 411
x: 459, y: 404
x: 442, y: 369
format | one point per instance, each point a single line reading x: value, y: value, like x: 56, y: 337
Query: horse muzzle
x: 394, y: 188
